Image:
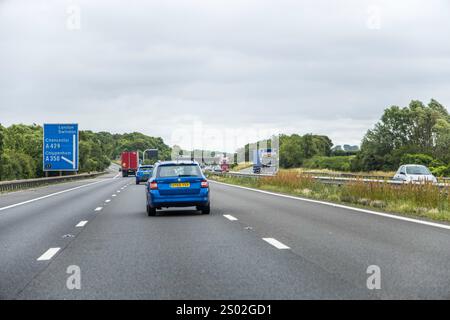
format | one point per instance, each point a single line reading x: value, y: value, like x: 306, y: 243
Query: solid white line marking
x: 381, y: 214
x: 98, y: 208
x: 81, y: 223
x: 116, y: 176
x: 230, y: 217
x: 48, y: 254
x: 107, y: 200
x: 51, y: 195
x: 277, y: 244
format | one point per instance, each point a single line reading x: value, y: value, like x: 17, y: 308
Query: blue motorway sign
x: 60, y: 149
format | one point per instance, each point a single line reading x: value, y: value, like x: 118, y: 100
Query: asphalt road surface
x: 253, y: 245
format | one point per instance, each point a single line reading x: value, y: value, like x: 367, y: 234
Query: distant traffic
x: 179, y: 183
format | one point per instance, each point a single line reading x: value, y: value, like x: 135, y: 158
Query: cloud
x: 158, y: 66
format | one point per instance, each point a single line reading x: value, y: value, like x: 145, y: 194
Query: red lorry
x: 224, y: 165
x: 130, y: 163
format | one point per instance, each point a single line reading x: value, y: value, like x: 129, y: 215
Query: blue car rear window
x: 179, y: 171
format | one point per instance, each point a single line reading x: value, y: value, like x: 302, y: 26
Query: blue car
x: 177, y: 184
x: 143, y: 174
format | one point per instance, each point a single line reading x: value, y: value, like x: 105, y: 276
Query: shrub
x: 441, y: 171
x: 17, y: 165
x: 339, y: 163
x: 417, y: 158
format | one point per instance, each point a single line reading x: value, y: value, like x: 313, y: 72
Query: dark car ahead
x: 177, y: 184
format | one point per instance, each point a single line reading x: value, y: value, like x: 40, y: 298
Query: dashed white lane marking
x: 381, y: 214
x: 230, y: 217
x: 81, y: 224
x: 277, y: 244
x: 51, y: 195
x: 98, y: 208
x: 113, y: 195
x: 118, y: 191
x: 108, y: 200
x: 48, y: 254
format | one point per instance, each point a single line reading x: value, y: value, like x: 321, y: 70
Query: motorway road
x: 181, y: 254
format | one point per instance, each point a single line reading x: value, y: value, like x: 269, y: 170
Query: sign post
x: 60, y: 147
x: 152, y: 154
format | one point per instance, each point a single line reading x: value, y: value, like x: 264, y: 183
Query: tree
x: 417, y: 158
x: 1, y: 148
x: 139, y: 142
x: 295, y: 149
x: 442, y: 140
x: 308, y: 146
x: 415, y: 129
x: 291, y: 153
x: 21, y: 150
x: 323, y: 145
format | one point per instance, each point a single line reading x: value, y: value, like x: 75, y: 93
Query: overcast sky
x: 168, y: 68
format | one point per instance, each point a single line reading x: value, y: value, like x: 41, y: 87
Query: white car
x: 414, y: 173
x: 207, y: 169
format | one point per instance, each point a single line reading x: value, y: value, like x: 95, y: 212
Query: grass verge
x: 415, y: 200
x: 241, y: 166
